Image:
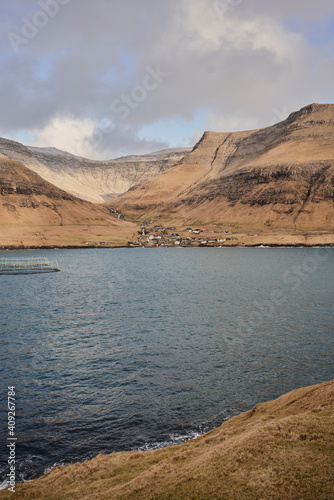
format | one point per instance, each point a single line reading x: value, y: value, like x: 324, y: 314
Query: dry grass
x: 67, y: 236
x: 283, y: 449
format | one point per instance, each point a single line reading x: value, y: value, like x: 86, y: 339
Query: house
x: 185, y: 241
x: 151, y: 240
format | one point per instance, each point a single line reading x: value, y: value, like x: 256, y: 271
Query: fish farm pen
x: 28, y: 266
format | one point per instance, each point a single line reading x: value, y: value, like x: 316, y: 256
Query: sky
x: 108, y: 78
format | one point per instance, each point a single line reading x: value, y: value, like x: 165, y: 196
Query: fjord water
x: 139, y: 348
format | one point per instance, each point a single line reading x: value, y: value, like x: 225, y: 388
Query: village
x: 160, y: 236
x: 150, y: 235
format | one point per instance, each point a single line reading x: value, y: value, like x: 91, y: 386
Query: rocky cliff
x: 95, y: 181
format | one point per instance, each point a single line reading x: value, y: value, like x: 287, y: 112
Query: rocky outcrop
x: 255, y: 187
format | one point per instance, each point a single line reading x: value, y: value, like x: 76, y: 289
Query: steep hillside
x: 279, y: 176
x: 282, y: 449
x: 95, y: 181
x: 35, y: 212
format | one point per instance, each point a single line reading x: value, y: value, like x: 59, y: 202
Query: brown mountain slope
x: 95, y: 181
x: 34, y: 212
x: 282, y: 449
x: 279, y: 176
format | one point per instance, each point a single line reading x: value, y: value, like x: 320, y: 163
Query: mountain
x: 269, y: 186
x: 95, y: 181
x: 34, y: 212
x: 279, y: 449
x: 280, y: 176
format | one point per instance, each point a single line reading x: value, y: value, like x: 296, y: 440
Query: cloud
x: 237, y: 60
x: 67, y: 133
x: 83, y: 137
x: 211, y: 28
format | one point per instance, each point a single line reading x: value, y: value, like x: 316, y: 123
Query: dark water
x: 135, y: 349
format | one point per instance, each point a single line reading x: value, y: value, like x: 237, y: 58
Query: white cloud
x: 211, y: 26
x: 68, y: 134
x: 89, y: 139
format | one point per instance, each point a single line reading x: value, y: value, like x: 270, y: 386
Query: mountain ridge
x: 92, y: 180
x: 273, y: 185
x: 285, y: 168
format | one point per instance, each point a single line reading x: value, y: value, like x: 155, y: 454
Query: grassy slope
x: 282, y: 449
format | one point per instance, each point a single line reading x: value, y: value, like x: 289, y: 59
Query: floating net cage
x: 28, y: 266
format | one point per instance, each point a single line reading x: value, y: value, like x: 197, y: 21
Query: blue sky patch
x: 317, y: 34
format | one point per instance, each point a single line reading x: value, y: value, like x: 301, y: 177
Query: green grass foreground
x: 281, y: 449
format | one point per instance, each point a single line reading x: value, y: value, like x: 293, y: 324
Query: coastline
x: 137, y: 235
x: 80, y: 247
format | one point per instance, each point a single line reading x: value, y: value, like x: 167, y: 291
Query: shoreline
x: 143, y: 449
x: 91, y: 247
x: 245, y: 443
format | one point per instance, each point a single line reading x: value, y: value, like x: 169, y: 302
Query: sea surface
x: 141, y: 348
